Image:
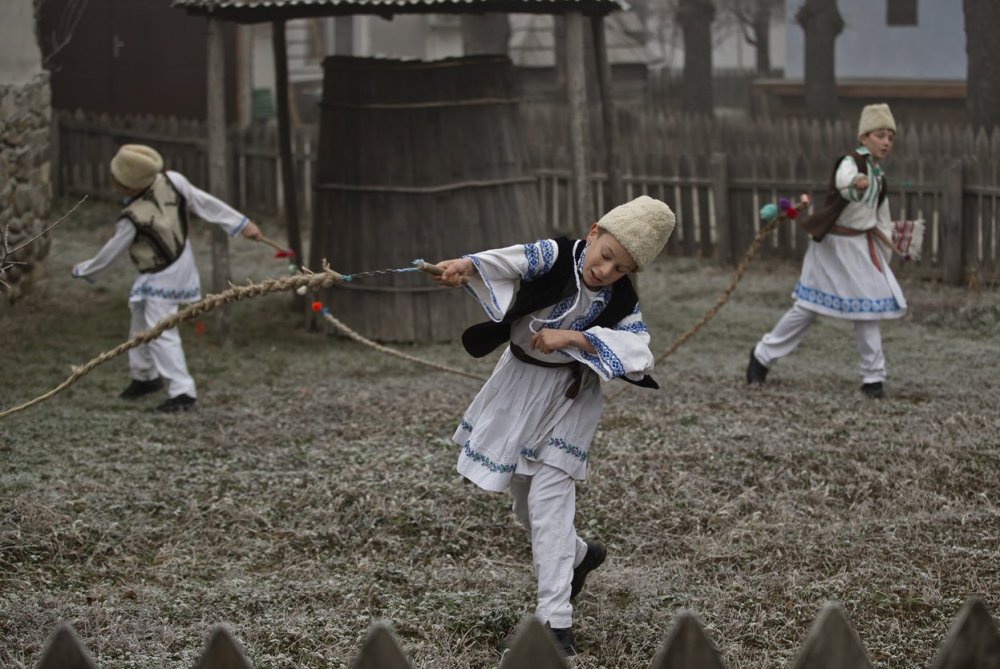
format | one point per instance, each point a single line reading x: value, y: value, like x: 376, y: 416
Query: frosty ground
x: 314, y: 491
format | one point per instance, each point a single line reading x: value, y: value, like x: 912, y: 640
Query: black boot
x: 179, y: 403
x: 137, y: 389
x: 564, y: 639
x: 873, y: 390
x: 596, y: 552
x: 756, y: 372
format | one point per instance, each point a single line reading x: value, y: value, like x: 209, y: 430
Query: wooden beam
x: 576, y: 96
x: 218, y: 183
x: 290, y: 204
x: 612, y: 139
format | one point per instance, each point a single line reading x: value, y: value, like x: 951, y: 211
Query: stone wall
x: 25, y: 183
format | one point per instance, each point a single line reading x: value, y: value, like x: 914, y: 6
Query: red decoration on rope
x: 317, y: 306
x: 284, y: 254
x: 791, y: 212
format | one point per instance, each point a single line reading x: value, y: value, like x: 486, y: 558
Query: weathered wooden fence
x: 972, y: 643
x: 716, y: 174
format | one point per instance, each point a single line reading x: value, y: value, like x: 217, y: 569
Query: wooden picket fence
x: 832, y: 643
x: 715, y: 173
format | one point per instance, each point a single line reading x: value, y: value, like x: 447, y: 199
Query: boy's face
x: 606, y: 260
x: 879, y: 142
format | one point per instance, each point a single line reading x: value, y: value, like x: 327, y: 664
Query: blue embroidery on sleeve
x: 539, y: 256
x: 605, y: 357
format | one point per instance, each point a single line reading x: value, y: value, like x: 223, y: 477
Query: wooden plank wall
x: 948, y: 176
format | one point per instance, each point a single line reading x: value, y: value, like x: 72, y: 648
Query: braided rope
x: 328, y: 277
x: 723, y: 296
x: 312, y: 280
x: 399, y: 354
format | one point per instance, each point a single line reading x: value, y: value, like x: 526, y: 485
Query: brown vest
x: 819, y: 224
x: 159, y: 215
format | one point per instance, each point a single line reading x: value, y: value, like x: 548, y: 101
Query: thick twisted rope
x: 399, y: 354
x: 709, y: 314
x: 310, y: 280
x: 328, y: 277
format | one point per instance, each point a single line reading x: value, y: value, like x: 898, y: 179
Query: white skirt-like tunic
x: 839, y: 279
x: 521, y: 417
x: 838, y: 276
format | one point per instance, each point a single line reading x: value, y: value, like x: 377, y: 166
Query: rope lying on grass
x: 309, y: 280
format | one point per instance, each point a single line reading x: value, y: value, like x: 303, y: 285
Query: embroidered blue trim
x: 167, y: 293
x: 465, y: 425
x: 846, y: 305
x: 605, y: 357
x: 633, y: 327
x: 481, y: 459
x: 595, y: 309
x: 562, y: 445
x: 493, y: 298
x: 540, y: 257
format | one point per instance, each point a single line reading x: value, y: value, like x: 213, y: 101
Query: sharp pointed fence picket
x: 973, y: 642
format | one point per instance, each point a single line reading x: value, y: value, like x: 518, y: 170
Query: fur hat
x: 874, y: 117
x: 136, y: 165
x: 641, y: 226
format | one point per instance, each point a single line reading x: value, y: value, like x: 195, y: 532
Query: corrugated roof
x: 256, y: 11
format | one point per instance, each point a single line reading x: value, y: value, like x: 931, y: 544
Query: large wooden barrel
x: 417, y: 160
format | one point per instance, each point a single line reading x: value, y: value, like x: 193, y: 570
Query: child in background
x: 845, y: 272
x: 571, y: 316
x: 153, y: 228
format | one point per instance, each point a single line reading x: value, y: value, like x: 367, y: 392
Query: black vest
x: 545, y: 291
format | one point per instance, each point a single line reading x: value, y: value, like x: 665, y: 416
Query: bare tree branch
x: 5, y: 253
x: 70, y: 13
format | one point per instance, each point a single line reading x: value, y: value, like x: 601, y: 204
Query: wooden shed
x: 442, y: 170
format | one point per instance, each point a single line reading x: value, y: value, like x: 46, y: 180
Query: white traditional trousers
x: 545, y: 503
x: 790, y: 330
x: 164, y: 356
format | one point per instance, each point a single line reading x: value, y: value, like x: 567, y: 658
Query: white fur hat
x: 136, y: 165
x: 641, y: 226
x: 874, y: 117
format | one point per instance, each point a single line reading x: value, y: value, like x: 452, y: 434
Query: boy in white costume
x: 152, y: 228
x: 845, y: 272
x: 572, y: 319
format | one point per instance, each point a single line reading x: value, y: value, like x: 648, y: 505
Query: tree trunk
x: 762, y: 37
x: 486, y: 33
x: 822, y: 23
x: 982, y: 103
x: 695, y: 18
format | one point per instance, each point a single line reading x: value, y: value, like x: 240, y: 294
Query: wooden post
x: 576, y: 97
x: 719, y: 168
x: 952, y: 242
x: 289, y: 191
x: 218, y: 184
x: 612, y: 138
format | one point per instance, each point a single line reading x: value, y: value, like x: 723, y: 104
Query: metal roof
x: 258, y: 11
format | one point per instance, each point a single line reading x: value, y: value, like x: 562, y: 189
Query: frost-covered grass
x: 314, y: 491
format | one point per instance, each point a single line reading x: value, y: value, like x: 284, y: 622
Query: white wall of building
x: 870, y: 49
x: 20, y: 57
